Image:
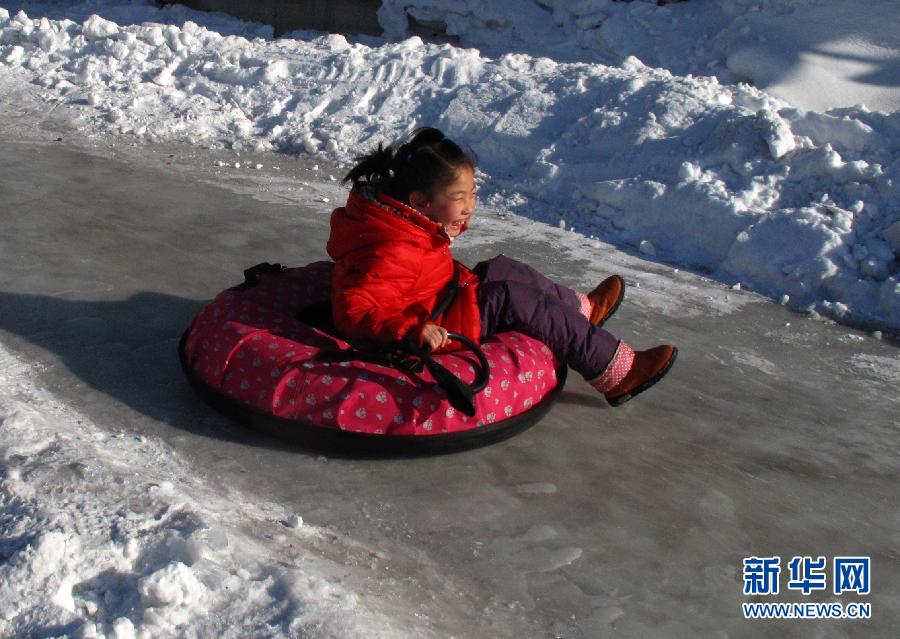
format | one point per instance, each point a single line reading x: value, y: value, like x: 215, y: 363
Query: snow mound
x: 114, y: 535
x: 725, y: 179
x: 815, y: 54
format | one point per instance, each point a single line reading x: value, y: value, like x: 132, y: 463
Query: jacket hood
x: 367, y: 220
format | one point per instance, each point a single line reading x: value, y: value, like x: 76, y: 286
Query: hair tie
x: 409, y: 156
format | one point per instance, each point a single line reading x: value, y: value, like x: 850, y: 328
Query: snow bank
x: 724, y: 179
x: 115, y: 536
x: 815, y: 54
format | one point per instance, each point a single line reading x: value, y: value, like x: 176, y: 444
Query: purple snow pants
x: 514, y: 296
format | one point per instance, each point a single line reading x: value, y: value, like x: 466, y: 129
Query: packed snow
x: 626, y: 122
x: 815, y: 54
x: 722, y: 178
x: 114, y: 535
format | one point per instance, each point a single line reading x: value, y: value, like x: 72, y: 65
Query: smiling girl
x: 393, y: 267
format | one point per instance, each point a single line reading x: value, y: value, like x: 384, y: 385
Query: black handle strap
x: 252, y: 274
x: 407, y: 356
x: 447, y: 296
x: 412, y: 358
x: 460, y: 395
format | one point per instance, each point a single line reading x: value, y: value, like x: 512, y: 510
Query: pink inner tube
x: 249, y: 346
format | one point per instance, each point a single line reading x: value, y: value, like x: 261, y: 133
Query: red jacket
x: 391, y: 265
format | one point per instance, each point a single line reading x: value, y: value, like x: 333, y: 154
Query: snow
x: 633, y: 124
x: 115, y: 535
x: 815, y: 54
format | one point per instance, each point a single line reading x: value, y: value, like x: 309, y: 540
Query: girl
x: 391, y: 247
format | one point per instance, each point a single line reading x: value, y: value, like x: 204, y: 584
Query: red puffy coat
x: 391, y: 265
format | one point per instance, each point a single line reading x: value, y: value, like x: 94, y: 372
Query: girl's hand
x: 433, y: 335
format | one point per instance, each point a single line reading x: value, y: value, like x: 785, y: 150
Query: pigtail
x: 375, y: 168
x: 427, y: 160
x: 422, y: 140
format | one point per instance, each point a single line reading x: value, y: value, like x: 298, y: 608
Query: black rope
x: 252, y: 274
x: 446, y: 297
x: 411, y: 358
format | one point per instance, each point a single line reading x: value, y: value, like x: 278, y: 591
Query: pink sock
x: 616, y: 370
x: 585, y: 304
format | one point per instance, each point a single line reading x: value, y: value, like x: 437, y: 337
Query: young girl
x: 391, y: 247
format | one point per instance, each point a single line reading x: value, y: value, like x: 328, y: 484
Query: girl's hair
x: 426, y: 162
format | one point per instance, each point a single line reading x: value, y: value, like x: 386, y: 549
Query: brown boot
x: 605, y: 299
x: 630, y: 372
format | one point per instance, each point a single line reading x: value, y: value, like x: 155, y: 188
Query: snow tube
x: 254, y: 354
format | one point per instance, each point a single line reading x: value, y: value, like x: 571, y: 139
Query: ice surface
x: 774, y: 433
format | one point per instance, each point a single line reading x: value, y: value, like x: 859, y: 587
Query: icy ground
x: 726, y: 179
x: 774, y: 431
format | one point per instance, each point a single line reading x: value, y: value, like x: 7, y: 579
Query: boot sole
x: 621, y: 399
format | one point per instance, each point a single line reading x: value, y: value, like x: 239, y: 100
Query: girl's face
x: 452, y: 205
